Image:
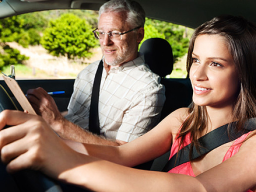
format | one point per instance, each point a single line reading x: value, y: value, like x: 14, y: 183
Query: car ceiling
x: 190, y: 13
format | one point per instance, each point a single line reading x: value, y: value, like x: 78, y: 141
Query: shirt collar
x: 129, y: 65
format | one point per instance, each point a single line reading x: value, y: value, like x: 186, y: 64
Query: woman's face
x: 213, y: 74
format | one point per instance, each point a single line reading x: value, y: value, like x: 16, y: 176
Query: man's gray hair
x: 135, y: 12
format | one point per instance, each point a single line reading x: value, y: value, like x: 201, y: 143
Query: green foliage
x: 69, y: 36
x: 32, y: 24
x: 90, y: 16
x: 35, y: 21
x: 174, y: 34
x: 179, y: 43
x: 178, y: 73
x: 151, y: 32
x: 1, y: 63
x: 34, y: 37
x: 10, y: 56
x: 11, y: 30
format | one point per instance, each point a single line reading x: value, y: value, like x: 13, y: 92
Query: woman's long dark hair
x: 240, y: 36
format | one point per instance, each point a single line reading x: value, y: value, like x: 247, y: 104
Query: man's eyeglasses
x: 114, y: 35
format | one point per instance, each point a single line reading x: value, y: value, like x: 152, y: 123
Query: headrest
x: 158, y: 55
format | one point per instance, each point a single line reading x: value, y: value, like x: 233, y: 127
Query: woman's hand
x: 29, y: 142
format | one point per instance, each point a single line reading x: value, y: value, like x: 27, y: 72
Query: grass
x: 45, y: 68
x: 26, y: 72
x: 179, y: 69
x: 178, y: 73
x: 21, y: 68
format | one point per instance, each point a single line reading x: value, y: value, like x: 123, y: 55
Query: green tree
x: 32, y: 24
x: 11, y: 30
x: 69, y: 36
x: 151, y: 32
x: 35, y: 20
x: 174, y: 34
x: 90, y: 16
x: 12, y: 56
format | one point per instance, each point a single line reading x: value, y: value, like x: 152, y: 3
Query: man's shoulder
x: 143, y: 73
x: 147, y: 81
x: 91, y: 68
x: 138, y: 66
x: 147, y: 75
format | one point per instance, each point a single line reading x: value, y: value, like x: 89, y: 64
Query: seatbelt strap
x: 94, y: 125
x: 209, y: 142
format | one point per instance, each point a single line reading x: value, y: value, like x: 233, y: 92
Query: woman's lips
x: 201, y: 90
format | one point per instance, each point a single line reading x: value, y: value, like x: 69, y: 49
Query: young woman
x: 222, y: 65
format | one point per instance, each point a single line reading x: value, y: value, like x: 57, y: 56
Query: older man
x: 130, y: 96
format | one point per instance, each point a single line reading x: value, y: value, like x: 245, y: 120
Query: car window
x: 58, y: 44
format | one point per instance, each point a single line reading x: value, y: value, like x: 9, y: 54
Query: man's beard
x: 119, y: 59
x: 115, y: 62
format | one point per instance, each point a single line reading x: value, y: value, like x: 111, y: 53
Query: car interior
x: 157, y: 53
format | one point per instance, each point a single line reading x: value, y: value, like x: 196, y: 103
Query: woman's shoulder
x: 181, y: 114
x: 176, y: 119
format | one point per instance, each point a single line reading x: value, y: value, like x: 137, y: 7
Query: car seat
x: 159, y: 57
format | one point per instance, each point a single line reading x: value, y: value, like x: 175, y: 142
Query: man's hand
x: 45, y: 106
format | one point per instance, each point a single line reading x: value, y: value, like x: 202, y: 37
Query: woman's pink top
x: 186, y: 168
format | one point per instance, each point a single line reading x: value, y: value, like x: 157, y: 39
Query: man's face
x: 123, y: 49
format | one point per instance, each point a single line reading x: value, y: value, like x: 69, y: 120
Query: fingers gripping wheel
x: 26, y: 180
x: 32, y: 181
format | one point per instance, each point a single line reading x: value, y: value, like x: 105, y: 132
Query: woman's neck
x: 219, y: 117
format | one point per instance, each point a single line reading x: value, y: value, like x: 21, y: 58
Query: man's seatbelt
x: 94, y: 125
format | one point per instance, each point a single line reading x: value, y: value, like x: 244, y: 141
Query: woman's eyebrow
x: 219, y: 58
x: 193, y: 54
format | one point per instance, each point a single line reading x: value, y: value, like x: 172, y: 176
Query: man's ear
x: 140, y: 35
